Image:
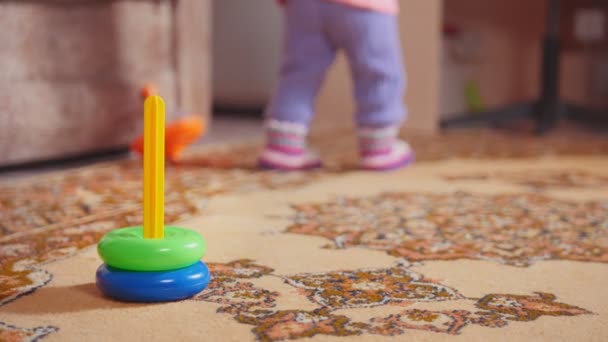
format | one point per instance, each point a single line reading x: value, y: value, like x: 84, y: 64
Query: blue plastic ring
x: 162, y: 286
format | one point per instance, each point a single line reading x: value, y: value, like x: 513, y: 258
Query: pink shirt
x: 385, y: 6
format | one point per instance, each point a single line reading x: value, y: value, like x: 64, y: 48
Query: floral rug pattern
x: 541, y: 179
x: 47, y: 220
x: 511, y: 229
x: 93, y: 203
x: 12, y: 333
x: 52, y: 218
x: 397, y: 286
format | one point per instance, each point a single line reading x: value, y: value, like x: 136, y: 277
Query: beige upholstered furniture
x: 71, y: 71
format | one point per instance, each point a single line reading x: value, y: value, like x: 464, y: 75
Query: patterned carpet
x: 489, y: 236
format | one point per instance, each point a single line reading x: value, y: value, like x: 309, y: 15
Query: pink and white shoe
x: 286, y: 148
x: 382, y: 151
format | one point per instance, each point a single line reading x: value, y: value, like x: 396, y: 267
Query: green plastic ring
x: 127, y: 249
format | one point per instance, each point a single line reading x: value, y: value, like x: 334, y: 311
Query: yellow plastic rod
x: 154, y: 168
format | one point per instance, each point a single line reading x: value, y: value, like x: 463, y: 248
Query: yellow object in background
x: 154, y: 167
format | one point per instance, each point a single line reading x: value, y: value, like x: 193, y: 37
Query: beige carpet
x: 488, y: 237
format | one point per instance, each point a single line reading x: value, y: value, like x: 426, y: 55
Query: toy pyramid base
x: 128, y: 249
x: 162, y: 286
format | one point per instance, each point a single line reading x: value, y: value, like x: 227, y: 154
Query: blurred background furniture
x: 506, y: 66
x: 549, y: 107
x: 72, y: 71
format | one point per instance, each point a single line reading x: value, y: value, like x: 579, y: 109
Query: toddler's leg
x: 372, y: 45
x: 306, y: 56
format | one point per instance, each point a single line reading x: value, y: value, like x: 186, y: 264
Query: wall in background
x: 246, y: 46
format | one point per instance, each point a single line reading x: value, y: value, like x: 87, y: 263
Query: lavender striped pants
x: 314, y: 32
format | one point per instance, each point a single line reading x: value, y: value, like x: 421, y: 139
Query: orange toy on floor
x: 179, y: 134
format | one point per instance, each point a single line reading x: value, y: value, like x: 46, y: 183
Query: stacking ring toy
x: 152, y: 262
x: 153, y: 286
x: 127, y: 249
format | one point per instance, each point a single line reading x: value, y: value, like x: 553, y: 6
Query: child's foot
x: 382, y: 151
x: 277, y: 160
x: 399, y: 155
x: 286, y: 148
